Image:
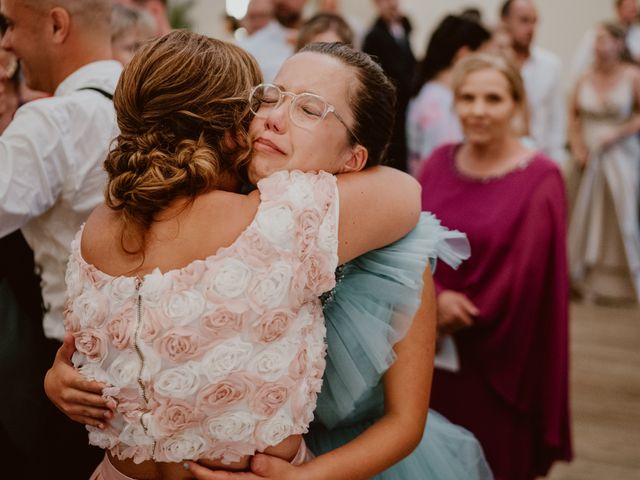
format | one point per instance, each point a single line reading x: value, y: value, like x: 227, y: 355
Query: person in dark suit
x: 388, y: 43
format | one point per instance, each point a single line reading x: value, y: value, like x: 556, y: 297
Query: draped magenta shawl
x: 517, y: 277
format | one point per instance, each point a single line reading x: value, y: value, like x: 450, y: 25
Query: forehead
x: 321, y: 74
x: 485, y: 80
x: 523, y: 8
x: 17, y: 8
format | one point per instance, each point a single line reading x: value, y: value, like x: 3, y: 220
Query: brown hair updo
x: 183, y: 115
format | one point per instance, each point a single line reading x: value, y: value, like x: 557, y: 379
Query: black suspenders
x: 100, y: 91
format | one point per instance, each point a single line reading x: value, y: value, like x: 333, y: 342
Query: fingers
x: 270, y: 467
x: 204, y: 473
x: 68, y: 347
x: 469, y: 307
x: 101, y: 424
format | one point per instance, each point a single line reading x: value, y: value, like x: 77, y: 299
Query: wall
x: 562, y: 22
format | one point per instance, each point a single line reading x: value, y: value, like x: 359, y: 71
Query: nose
x: 278, y: 116
x: 479, y: 107
x: 5, y: 41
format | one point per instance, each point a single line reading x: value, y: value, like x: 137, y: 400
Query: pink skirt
x: 106, y: 470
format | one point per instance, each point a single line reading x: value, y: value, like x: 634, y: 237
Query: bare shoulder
x: 100, y: 230
x: 224, y: 215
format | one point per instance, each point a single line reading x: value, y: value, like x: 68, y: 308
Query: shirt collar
x: 102, y: 74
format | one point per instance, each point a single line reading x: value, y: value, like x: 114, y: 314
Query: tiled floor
x: 605, y: 382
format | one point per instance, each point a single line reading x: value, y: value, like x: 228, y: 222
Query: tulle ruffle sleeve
x: 371, y: 309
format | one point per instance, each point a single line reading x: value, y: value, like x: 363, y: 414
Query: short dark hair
x: 452, y: 33
x: 373, y: 103
x: 506, y: 8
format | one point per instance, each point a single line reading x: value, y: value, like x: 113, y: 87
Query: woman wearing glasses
x: 211, y: 339
x: 249, y: 377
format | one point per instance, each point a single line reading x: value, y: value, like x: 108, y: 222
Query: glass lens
x: 307, y: 110
x: 264, y: 97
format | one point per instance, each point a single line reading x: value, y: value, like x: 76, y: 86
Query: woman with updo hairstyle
x: 604, y: 121
x: 507, y: 307
x: 183, y: 128
x: 195, y: 310
x: 305, y: 124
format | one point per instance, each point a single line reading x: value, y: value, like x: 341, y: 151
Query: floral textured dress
x: 224, y: 356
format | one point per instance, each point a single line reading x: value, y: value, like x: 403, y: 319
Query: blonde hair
x: 482, y: 61
x: 183, y: 113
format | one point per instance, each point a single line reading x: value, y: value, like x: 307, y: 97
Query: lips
x: 265, y: 145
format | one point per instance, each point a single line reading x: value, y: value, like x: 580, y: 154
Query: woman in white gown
x: 604, y: 238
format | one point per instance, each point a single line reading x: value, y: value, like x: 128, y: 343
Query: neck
x: 606, y: 65
x: 522, y: 53
x: 444, y: 77
x: 492, y: 153
x: 71, y: 61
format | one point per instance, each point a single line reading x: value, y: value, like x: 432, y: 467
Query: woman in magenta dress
x: 507, y: 306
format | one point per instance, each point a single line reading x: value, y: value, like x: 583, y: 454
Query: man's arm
x: 32, y: 166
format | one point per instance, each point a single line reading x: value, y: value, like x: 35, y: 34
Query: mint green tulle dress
x: 369, y: 310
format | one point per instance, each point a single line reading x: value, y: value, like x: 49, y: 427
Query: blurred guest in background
x: 324, y: 27
x: 355, y: 22
x: 626, y: 12
x: 259, y: 14
x: 604, y: 239
x: 158, y: 9
x: 9, y: 87
x: 502, y: 43
x: 542, y: 74
x: 51, y: 157
x: 507, y: 306
x: 431, y: 119
x: 130, y: 28
x: 274, y: 43
x: 388, y: 43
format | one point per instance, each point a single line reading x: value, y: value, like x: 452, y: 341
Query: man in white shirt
x: 273, y: 44
x: 627, y: 17
x: 51, y: 174
x: 542, y: 74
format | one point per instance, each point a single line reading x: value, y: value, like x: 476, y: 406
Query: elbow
x: 411, y: 436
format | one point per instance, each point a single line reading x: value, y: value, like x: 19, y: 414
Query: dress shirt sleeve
x: 33, y: 163
x: 557, y: 126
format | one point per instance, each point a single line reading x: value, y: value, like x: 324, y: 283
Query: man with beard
x: 541, y: 71
x: 51, y: 158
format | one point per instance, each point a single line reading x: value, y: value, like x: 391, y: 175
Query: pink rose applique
x: 189, y: 276
x: 92, y: 344
x: 223, y: 322
x: 300, y: 363
x: 172, y: 416
x: 315, y: 276
x: 71, y: 320
x: 325, y: 191
x: 121, y: 328
x: 217, y: 397
x: 269, y: 397
x: 154, y: 322
x: 272, y: 325
x: 178, y: 344
x: 307, y: 231
x: 255, y: 250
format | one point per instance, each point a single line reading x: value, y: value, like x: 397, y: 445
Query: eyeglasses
x: 306, y: 110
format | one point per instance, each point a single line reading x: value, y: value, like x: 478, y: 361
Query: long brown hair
x: 183, y: 114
